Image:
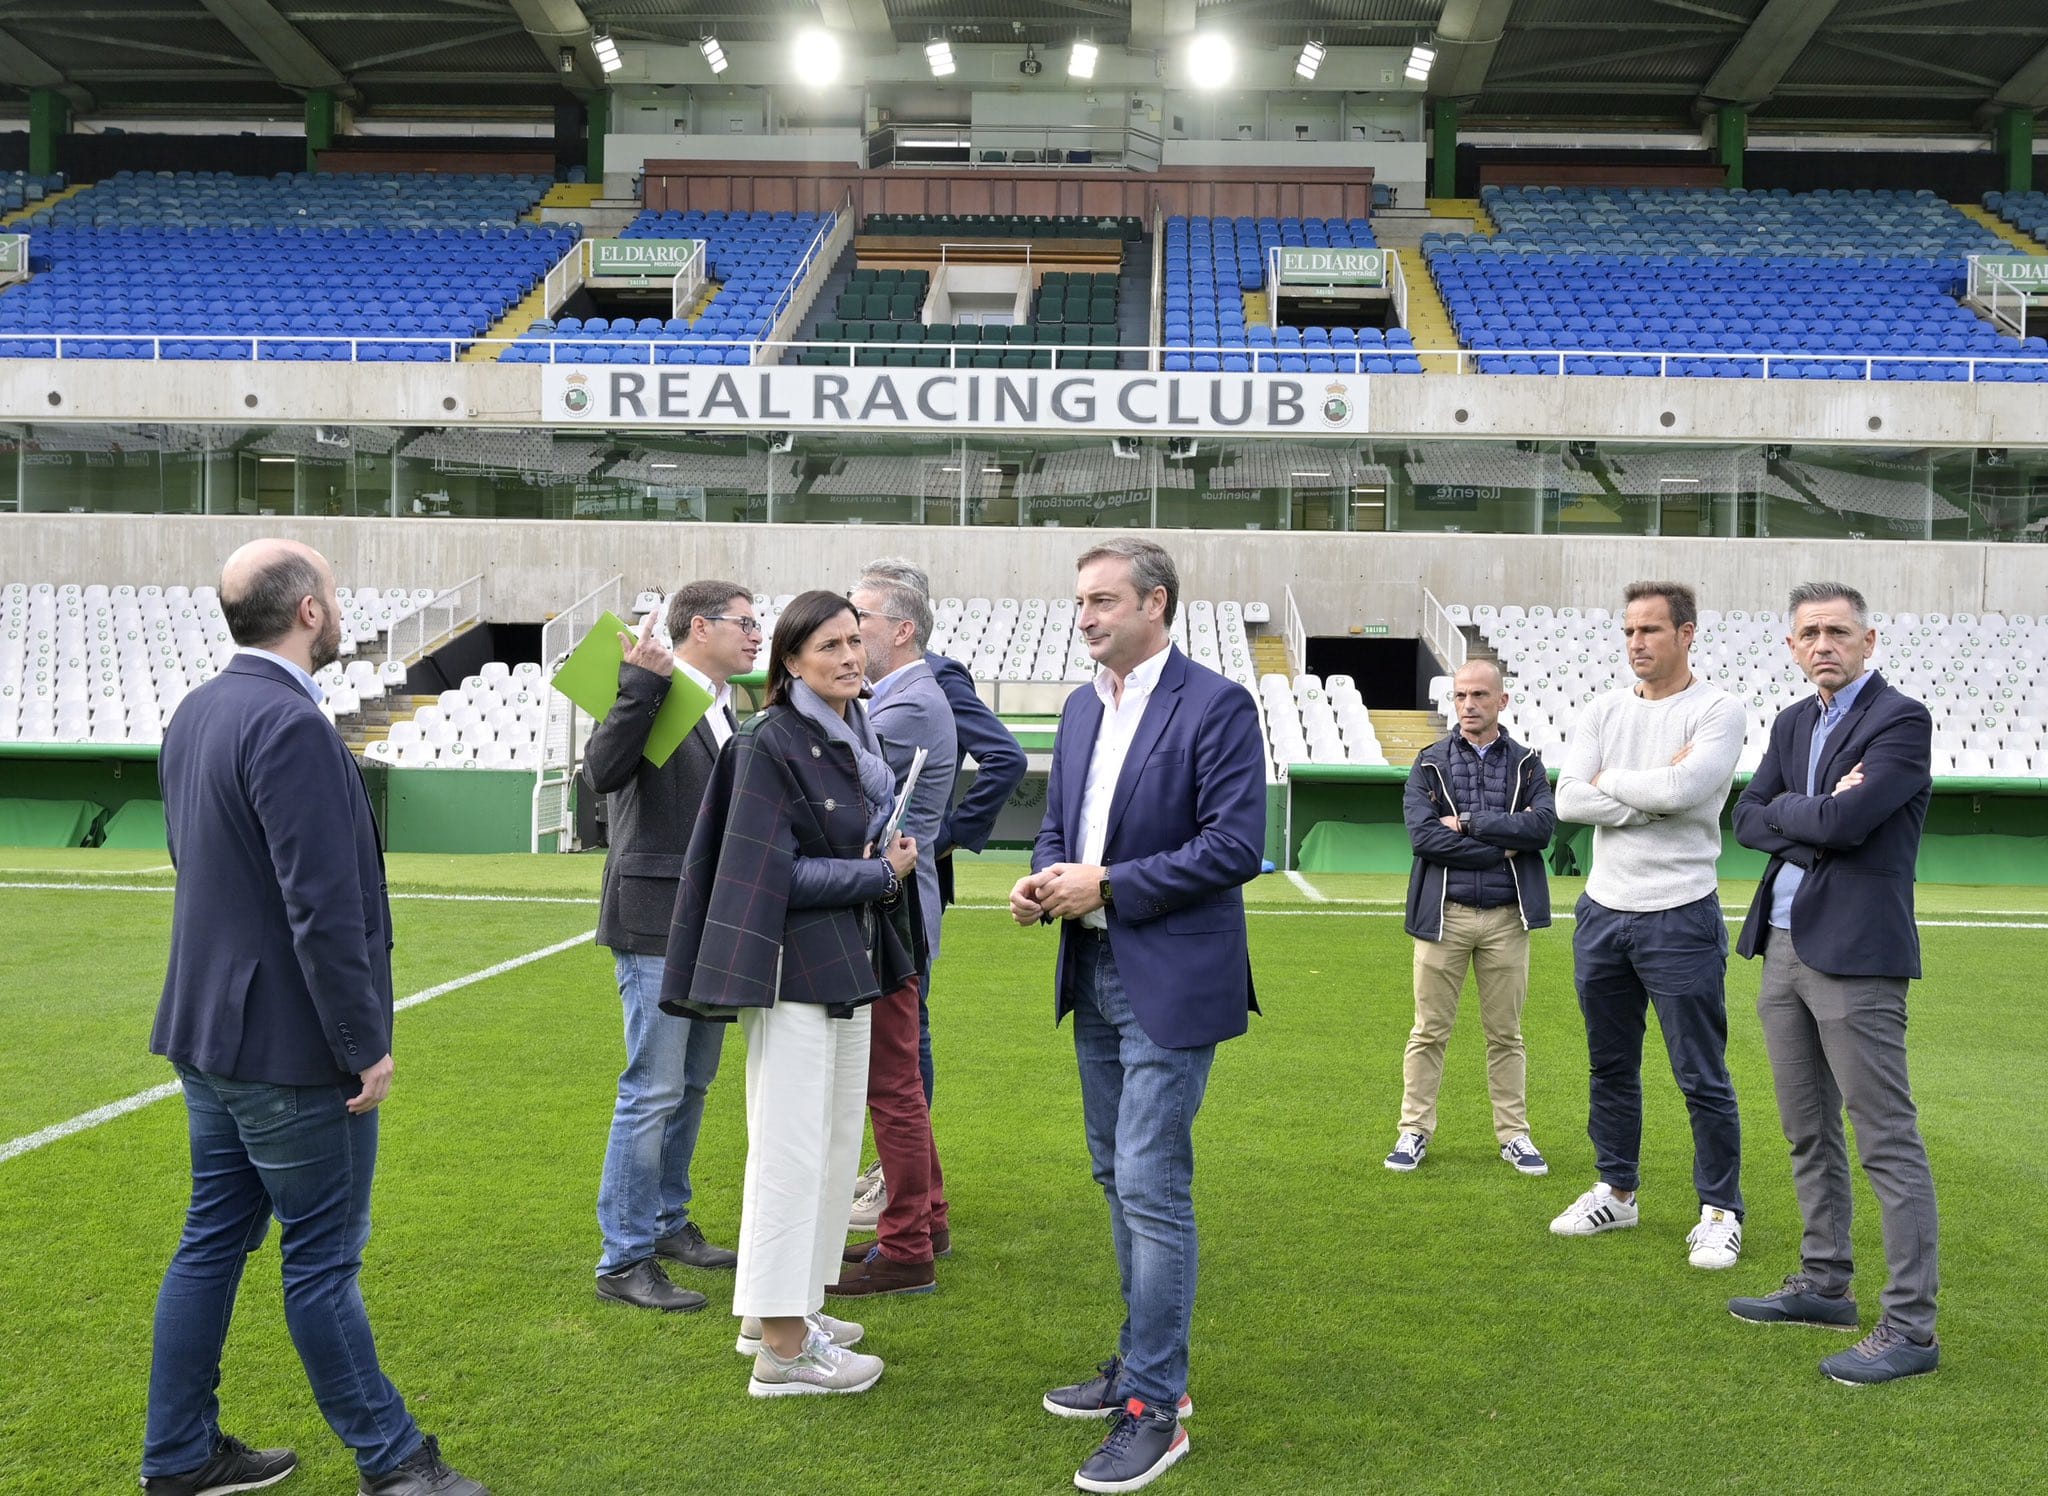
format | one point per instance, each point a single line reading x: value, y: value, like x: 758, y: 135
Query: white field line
x: 85, y: 1121
x: 1309, y: 891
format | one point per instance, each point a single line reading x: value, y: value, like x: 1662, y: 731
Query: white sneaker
x: 1409, y: 1148
x: 1521, y: 1152
x: 870, y: 1197
x: 1717, y: 1240
x: 820, y: 1368
x: 1597, y: 1210
x: 840, y: 1332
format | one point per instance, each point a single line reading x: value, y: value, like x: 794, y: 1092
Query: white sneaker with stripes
x: 1716, y: 1241
x: 1597, y: 1210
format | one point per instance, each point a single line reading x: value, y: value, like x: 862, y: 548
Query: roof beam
x: 553, y: 25
x: 1756, y: 64
x: 1159, y: 24
x: 865, y: 21
x: 2027, y: 88
x: 24, y: 69
x: 1467, y: 35
x: 280, y: 46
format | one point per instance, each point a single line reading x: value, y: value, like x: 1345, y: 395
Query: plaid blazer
x: 781, y: 790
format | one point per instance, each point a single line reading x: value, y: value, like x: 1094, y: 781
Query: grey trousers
x: 1835, y: 1042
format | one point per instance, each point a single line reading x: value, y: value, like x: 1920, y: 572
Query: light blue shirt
x: 306, y: 682
x: 1791, y: 876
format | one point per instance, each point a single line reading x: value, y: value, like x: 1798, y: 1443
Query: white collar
x: 1143, y: 678
x: 720, y: 695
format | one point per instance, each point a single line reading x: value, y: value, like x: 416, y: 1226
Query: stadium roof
x: 1891, y: 64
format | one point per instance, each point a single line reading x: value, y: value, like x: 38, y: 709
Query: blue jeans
x: 295, y: 1152
x: 1139, y: 1101
x: 644, y: 1194
x: 1675, y: 960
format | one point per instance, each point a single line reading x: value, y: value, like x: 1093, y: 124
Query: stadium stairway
x: 1269, y: 656
x: 1429, y: 320
x: 837, y: 279
x: 23, y: 214
x: 1464, y: 207
x: 565, y: 195
x: 1403, y: 735
x: 1134, y: 301
x: 371, y: 723
x: 2025, y: 243
x: 511, y: 325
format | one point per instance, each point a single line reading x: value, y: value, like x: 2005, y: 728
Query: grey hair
x: 901, y: 570
x: 1829, y: 592
x: 264, y: 611
x: 900, y: 600
x: 1151, y: 566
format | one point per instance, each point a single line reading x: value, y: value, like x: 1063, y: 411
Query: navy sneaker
x: 1797, y: 1304
x: 1408, y: 1150
x: 1884, y: 1355
x: 422, y: 1473
x: 1096, y: 1397
x: 1143, y: 1445
x: 234, y: 1466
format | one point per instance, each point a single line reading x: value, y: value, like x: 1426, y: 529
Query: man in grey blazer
x: 909, y: 712
x: 643, y: 1198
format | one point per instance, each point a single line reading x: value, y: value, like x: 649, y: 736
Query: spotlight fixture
x: 607, y: 52
x: 1211, y: 60
x: 713, y: 54
x: 815, y: 57
x: 1081, y: 61
x: 566, y: 58
x: 1420, y: 61
x: 1181, y: 448
x: 939, y: 55
x: 1311, y: 58
x: 1125, y: 447
x: 1030, y: 67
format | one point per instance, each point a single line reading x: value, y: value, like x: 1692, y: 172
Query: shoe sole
x: 606, y: 1298
x: 1902, y: 1377
x: 1713, y: 1267
x: 758, y: 1388
x: 1535, y: 1173
x: 1184, y: 1412
x: 882, y: 1293
x: 1404, y: 1168
x: 1804, y: 1324
x: 1177, y: 1452
x: 252, y: 1485
x: 1597, y: 1230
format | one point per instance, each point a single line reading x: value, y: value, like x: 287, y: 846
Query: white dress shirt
x: 721, y: 701
x: 1120, y: 719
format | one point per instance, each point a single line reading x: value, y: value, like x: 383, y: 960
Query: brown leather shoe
x: 942, y: 1246
x: 877, y: 1274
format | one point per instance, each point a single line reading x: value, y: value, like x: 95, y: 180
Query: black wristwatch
x: 1108, y: 898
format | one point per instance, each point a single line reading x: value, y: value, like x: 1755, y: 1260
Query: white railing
x: 13, y: 258
x: 813, y: 269
x: 1155, y: 328
x: 1441, y: 633
x: 687, y: 282
x: 2003, y: 299
x: 1397, y: 283
x: 1295, y: 632
x: 1075, y: 147
x: 565, y: 278
x: 451, y: 611
x: 567, y: 726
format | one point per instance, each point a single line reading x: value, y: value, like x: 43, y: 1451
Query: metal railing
x: 1155, y: 329
x: 1295, y: 632
x: 13, y: 258
x: 1441, y: 633
x: 2003, y: 299
x: 565, y: 278
x: 451, y: 611
x: 687, y: 282
x: 1008, y: 147
x: 567, y: 726
x: 813, y: 269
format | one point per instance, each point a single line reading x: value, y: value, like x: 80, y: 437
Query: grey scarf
x: 877, y: 779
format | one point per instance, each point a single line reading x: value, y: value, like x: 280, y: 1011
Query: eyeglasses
x: 864, y: 614
x: 748, y: 626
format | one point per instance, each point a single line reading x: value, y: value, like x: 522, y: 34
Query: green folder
x: 590, y: 678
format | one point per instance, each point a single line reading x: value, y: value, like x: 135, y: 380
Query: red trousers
x: 903, y: 1131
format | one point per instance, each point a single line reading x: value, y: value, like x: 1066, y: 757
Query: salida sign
x: 955, y: 400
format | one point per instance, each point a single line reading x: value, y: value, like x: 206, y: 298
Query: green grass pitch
x: 1357, y: 1331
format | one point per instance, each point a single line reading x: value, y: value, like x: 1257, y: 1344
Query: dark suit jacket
x: 650, y: 812
x: 280, y: 964
x: 998, y: 767
x: 1187, y: 829
x: 748, y: 932
x: 1853, y: 916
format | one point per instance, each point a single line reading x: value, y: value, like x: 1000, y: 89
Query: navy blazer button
x: 816, y: 751
x: 831, y: 804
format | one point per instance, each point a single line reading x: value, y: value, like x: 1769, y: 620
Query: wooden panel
x: 1037, y: 195
x: 1235, y: 199
x: 774, y: 195
x: 1567, y: 174
x: 971, y: 195
x: 538, y: 163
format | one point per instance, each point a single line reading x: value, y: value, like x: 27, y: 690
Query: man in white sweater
x: 1649, y: 769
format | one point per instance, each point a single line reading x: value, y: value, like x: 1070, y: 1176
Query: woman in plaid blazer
x: 788, y: 919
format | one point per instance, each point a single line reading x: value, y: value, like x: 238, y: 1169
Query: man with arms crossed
x: 1838, y: 802
x: 643, y: 1196
x: 1155, y: 818
x: 276, y: 1012
x: 1649, y: 768
x: 1479, y: 813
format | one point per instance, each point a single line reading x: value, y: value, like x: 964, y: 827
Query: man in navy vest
x: 276, y: 1012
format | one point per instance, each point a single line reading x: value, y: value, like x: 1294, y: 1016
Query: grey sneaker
x: 1797, y: 1304
x: 1409, y: 1148
x: 820, y: 1368
x: 841, y: 1332
x: 1884, y: 1355
x: 870, y: 1198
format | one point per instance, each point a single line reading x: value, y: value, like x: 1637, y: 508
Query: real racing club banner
x: 942, y: 400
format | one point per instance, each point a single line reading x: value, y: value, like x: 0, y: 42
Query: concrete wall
x: 532, y: 568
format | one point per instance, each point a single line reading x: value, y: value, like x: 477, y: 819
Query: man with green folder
x: 651, y: 756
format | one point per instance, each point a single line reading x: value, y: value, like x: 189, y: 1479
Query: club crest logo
x: 1337, y: 406
x: 576, y: 395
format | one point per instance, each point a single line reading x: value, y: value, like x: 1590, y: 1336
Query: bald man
x: 276, y: 1014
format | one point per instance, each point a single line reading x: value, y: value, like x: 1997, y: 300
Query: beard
x: 327, y: 646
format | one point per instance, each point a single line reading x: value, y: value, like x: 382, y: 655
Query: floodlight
x: 1124, y: 446
x: 607, y: 52
x: 713, y: 54
x: 1211, y: 60
x: 815, y: 57
x: 939, y: 55
x: 1420, y: 61
x: 1081, y: 61
x: 1311, y: 58
x: 1181, y: 448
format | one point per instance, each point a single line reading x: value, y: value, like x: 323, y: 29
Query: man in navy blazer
x: 1155, y: 819
x: 1838, y: 802
x: 276, y: 1012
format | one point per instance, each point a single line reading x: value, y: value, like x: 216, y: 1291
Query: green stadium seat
x: 938, y: 332
x: 986, y: 359
x: 1016, y: 361
x: 900, y: 358
x: 1101, y: 311
x: 1103, y: 280
x: 1101, y: 360
x: 902, y: 308
x: 1052, y: 312
x: 1049, y: 334
x: 861, y: 278
x: 917, y: 278
x: 849, y: 304
x: 910, y: 332
x: 857, y: 332
x: 967, y: 332
x: 1103, y: 336
x: 1052, y: 278
x: 888, y: 277
x: 875, y: 308
x: 996, y: 332
x: 831, y: 332
x: 931, y: 358
x: 885, y: 332
x: 1042, y: 359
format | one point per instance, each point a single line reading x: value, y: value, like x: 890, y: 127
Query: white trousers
x: 807, y: 1096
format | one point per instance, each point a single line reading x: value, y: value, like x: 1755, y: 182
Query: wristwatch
x: 1108, y: 898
